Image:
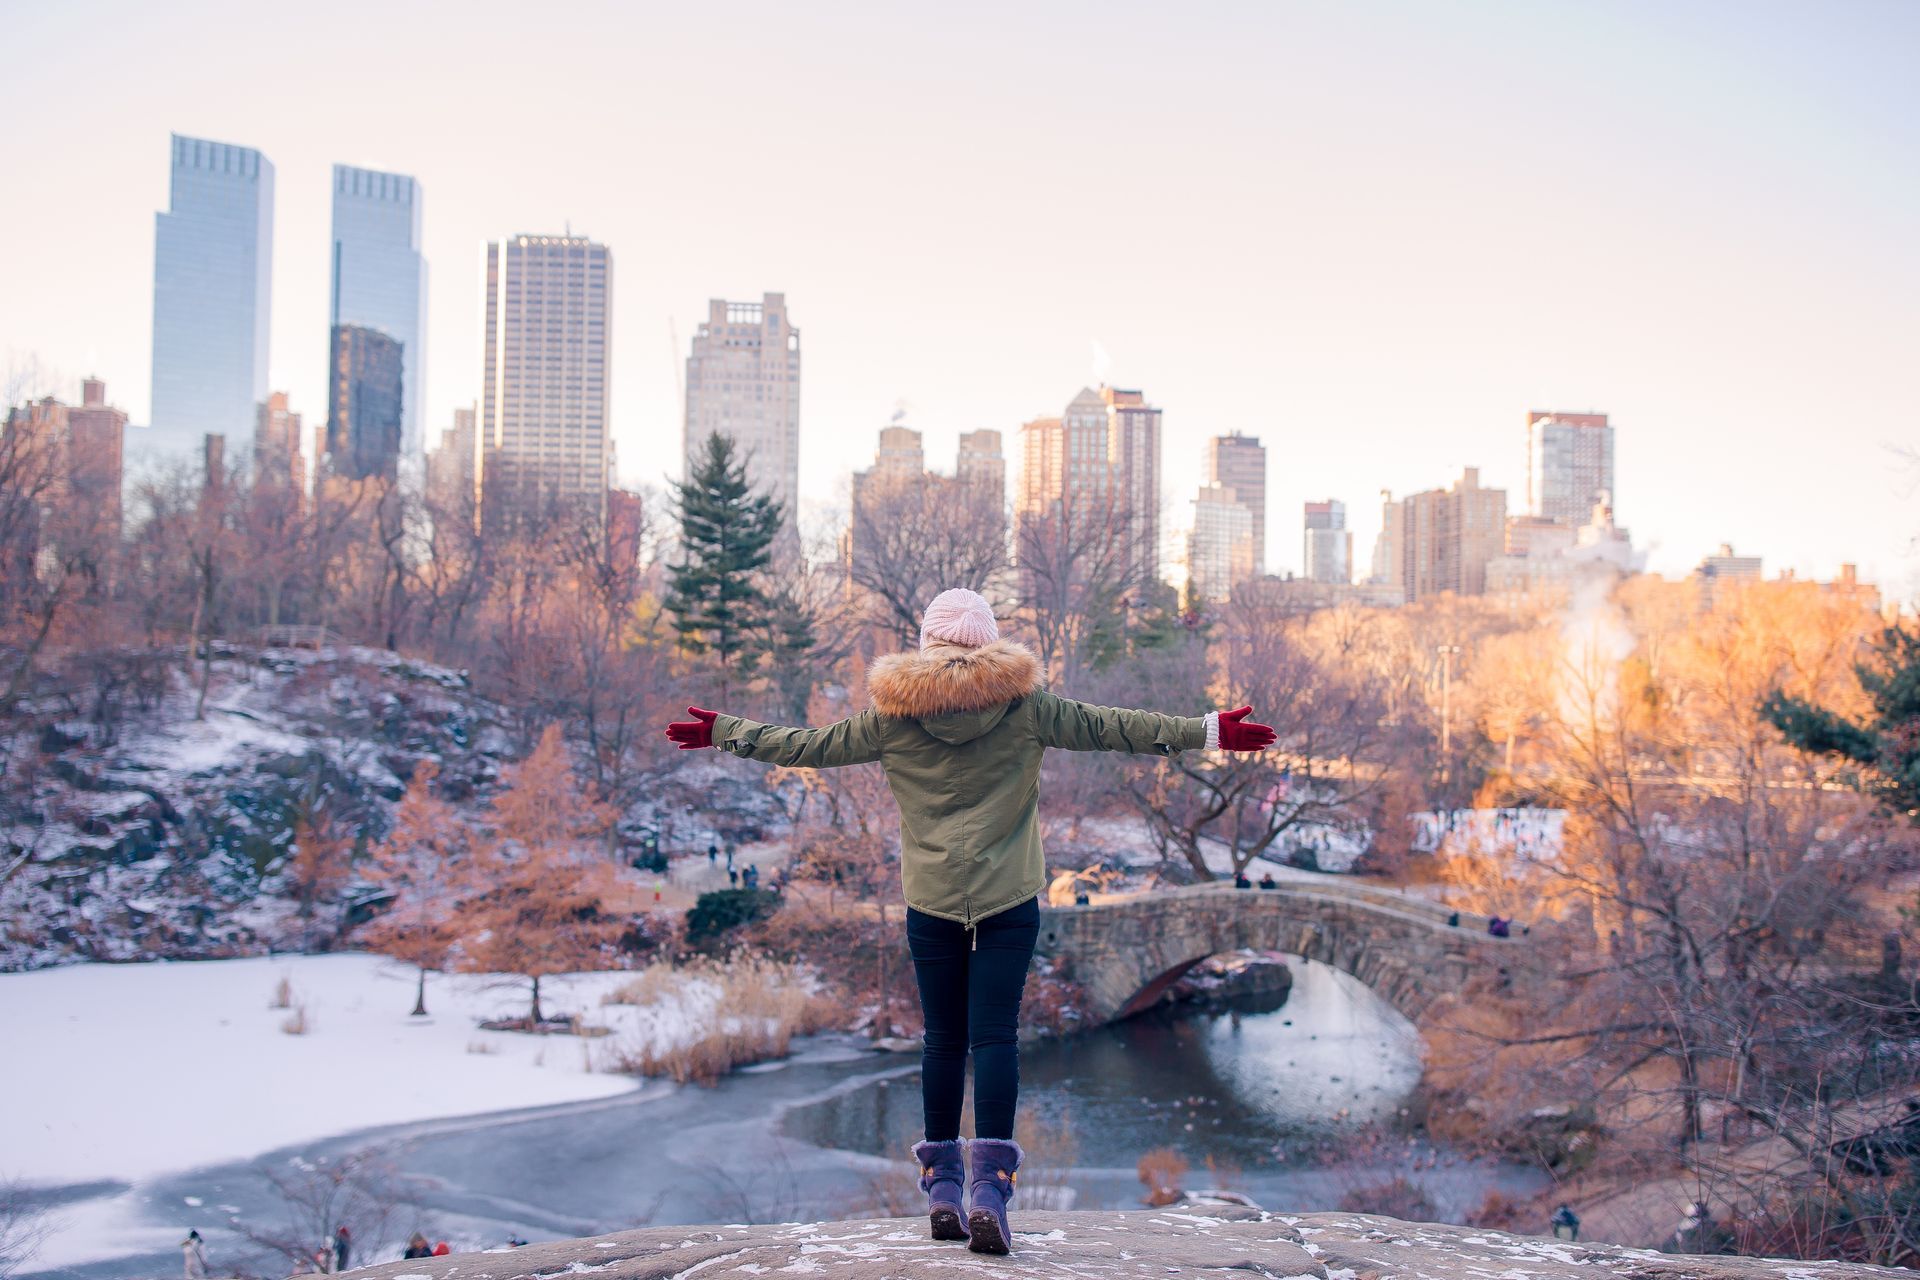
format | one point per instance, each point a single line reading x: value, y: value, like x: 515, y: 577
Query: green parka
x: 960, y: 732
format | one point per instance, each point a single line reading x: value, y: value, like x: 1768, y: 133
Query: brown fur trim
x: 947, y: 678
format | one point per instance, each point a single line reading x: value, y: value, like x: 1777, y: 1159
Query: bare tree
x: 360, y: 1190
x: 911, y: 539
x: 1076, y: 579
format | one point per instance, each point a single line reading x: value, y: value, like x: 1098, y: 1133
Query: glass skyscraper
x: 380, y: 283
x: 212, y: 290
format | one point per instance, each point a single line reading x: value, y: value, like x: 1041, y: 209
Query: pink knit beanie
x: 958, y: 616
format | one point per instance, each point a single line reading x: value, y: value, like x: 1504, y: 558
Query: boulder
x: 1220, y: 1242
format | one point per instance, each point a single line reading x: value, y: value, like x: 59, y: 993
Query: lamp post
x: 1446, y: 652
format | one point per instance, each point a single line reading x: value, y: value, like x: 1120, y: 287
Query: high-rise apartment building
x: 1328, y: 545
x: 1240, y: 463
x: 901, y: 457
x: 543, y: 402
x: 212, y: 293
x: 1447, y: 536
x: 1100, y: 460
x: 1569, y: 465
x: 366, y: 399
x: 1220, y: 551
x: 79, y: 450
x: 277, y: 460
x: 380, y: 283
x: 453, y: 466
x: 743, y: 382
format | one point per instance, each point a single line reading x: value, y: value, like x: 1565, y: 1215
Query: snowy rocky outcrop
x: 163, y: 835
x: 1163, y: 1244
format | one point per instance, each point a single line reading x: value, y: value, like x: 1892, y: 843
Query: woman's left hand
x: 695, y: 733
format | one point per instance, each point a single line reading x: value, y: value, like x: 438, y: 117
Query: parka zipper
x: 971, y: 929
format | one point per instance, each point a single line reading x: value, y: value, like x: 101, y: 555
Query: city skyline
x: 1727, y: 317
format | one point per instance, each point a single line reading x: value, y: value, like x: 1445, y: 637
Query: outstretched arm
x: 1081, y: 726
x: 855, y: 740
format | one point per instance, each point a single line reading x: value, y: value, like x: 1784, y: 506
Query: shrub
x: 1394, y: 1198
x: 297, y: 1023
x: 720, y: 913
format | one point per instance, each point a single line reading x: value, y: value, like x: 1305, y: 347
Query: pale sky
x: 1373, y: 234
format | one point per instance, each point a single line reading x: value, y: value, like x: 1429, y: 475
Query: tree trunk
x: 420, y: 995
x: 536, y: 1000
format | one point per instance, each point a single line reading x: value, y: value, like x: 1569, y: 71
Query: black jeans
x: 970, y: 985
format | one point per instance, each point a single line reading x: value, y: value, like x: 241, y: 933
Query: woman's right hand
x: 695, y: 733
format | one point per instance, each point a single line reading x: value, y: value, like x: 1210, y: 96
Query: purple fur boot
x: 996, y: 1162
x: 942, y: 1176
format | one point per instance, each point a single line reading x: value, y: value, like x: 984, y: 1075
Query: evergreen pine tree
x: 726, y: 535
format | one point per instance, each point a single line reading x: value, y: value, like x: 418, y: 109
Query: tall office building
x: 1389, y: 566
x: 743, y: 382
x: 1133, y: 448
x: 1220, y: 551
x: 1328, y: 549
x: 453, y: 466
x: 380, y: 283
x: 1240, y: 463
x: 212, y: 292
x: 1099, y: 459
x: 277, y: 460
x: 543, y: 401
x: 1569, y: 465
x: 1447, y: 536
x: 366, y: 399
x: 982, y: 466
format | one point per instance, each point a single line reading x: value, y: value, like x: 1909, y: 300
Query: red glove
x: 698, y: 732
x: 1237, y: 733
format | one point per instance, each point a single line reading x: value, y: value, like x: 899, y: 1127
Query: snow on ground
x: 138, y: 1069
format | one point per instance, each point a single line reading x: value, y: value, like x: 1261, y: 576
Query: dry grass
x: 1163, y: 1172
x: 759, y: 1006
x: 481, y: 1046
x: 297, y: 1023
x: 282, y: 993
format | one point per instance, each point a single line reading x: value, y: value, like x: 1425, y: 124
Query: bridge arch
x: 1125, y: 952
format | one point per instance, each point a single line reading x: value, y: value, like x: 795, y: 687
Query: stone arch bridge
x: 1126, y: 951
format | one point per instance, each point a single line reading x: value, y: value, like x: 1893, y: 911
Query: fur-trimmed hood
x: 946, y: 682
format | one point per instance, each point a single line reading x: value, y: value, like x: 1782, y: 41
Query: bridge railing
x: 1356, y: 891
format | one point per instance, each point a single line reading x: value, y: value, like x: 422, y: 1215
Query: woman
x: 959, y: 729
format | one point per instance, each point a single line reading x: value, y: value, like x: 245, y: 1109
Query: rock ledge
x: 1219, y: 1243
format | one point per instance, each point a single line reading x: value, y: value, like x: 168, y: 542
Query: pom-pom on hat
x: 958, y: 616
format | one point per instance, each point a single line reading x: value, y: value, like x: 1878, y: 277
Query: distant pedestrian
x: 729, y: 859
x: 656, y: 890
x: 1240, y: 880
x: 342, y: 1249
x: 193, y: 1252
x: 417, y: 1247
x: 1566, y: 1223
x: 713, y: 854
x: 733, y: 877
x: 1268, y: 882
x: 441, y: 1250
x: 1453, y: 920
